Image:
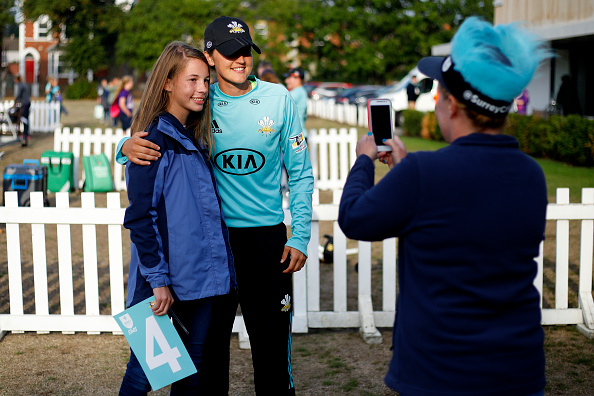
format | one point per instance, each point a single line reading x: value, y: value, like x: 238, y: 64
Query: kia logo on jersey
x: 239, y: 162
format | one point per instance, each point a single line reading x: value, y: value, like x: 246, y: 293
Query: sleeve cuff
x: 120, y: 158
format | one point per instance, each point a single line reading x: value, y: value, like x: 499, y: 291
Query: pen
x: 174, y: 316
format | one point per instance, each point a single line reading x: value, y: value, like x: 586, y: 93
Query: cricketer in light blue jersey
x: 247, y: 164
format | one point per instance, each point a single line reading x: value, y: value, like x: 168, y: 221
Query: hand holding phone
x: 381, y: 121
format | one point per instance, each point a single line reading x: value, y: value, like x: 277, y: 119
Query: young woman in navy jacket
x: 180, y: 246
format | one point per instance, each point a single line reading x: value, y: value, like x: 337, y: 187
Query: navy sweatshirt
x: 470, y: 218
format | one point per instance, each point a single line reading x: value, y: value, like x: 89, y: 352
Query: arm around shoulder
x: 137, y: 149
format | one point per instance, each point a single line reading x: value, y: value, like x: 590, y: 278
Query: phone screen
x: 380, y: 123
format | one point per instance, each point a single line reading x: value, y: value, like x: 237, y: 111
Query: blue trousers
x: 125, y: 120
x: 209, y: 322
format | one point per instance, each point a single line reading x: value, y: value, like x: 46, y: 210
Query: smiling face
x: 188, y: 90
x: 233, y: 70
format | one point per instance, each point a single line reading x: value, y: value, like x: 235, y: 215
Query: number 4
x: 168, y: 355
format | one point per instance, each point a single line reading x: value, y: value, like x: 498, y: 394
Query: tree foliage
x: 6, y: 16
x: 373, y: 41
x: 152, y: 24
x: 91, y: 29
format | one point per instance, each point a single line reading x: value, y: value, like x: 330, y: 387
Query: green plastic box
x: 60, y: 176
x: 97, y: 173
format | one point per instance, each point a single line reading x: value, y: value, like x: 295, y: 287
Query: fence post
x: 586, y: 302
x: 562, y: 259
x: 39, y: 261
x: 65, y: 261
x: 13, y: 253
x: 90, y: 259
x: 116, y: 264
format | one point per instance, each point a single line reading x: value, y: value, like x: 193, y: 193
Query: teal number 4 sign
x: 156, y: 344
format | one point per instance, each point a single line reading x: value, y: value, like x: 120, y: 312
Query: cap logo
x: 209, y: 44
x: 235, y: 27
x: 447, y: 63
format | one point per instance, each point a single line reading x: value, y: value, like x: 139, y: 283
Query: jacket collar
x: 483, y: 139
x: 170, y: 126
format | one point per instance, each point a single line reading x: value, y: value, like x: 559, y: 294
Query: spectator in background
x: 412, y: 92
x: 470, y: 218
x: 567, y: 97
x: 112, y: 88
x: 269, y: 75
x: 125, y: 101
x: 262, y: 67
x: 294, y: 80
x: 522, y: 102
x: 102, y: 99
x: 51, y: 89
x: 23, y: 98
x: 53, y: 94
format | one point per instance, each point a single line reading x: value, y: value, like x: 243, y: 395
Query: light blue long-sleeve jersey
x: 250, y: 132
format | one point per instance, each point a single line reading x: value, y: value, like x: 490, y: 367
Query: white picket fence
x: 307, y: 290
x: 43, y: 116
x: 332, y: 152
x: 345, y: 113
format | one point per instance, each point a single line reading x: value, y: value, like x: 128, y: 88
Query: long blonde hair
x: 125, y: 80
x: 155, y: 98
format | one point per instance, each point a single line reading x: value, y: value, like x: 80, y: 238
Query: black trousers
x: 25, y: 108
x: 266, y: 300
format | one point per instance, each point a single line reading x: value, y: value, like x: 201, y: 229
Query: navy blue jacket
x: 470, y: 218
x: 178, y: 232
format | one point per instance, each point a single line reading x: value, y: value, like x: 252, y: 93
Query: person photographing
x: 470, y: 218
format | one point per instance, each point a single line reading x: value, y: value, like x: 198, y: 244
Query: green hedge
x: 566, y: 139
x: 81, y: 89
x: 412, y: 122
x: 419, y: 124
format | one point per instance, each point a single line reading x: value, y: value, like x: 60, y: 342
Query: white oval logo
x: 447, y: 63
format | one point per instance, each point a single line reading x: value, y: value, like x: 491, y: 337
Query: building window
x: 43, y: 28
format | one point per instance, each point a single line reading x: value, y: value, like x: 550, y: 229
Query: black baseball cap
x: 228, y: 35
x: 295, y: 72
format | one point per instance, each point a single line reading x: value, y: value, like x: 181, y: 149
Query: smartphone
x: 381, y: 121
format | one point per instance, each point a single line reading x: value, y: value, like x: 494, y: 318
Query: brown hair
x: 482, y: 122
x: 269, y: 76
x: 155, y: 98
x: 125, y: 80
